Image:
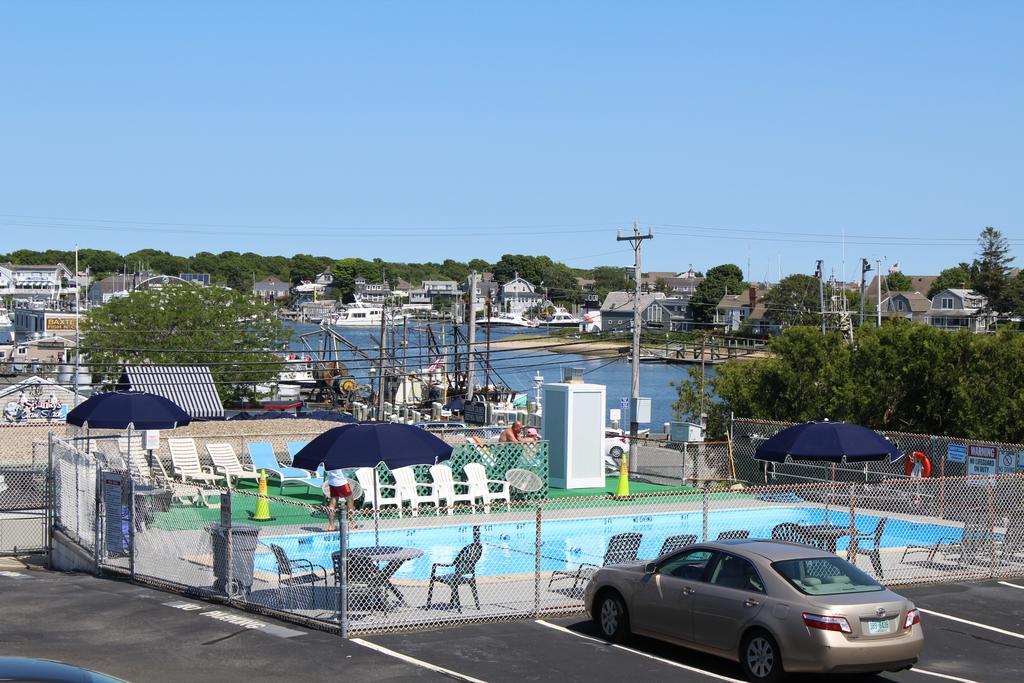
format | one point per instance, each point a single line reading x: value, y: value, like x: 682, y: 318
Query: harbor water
x: 516, y: 368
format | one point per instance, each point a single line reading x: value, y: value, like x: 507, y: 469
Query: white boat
x: 561, y: 318
x: 5, y: 319
x: 507, y: 320
x: 366, y: 315
x: 320, y: 284
x: 298, y: 371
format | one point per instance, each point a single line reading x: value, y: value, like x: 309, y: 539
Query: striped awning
x: 190, y: 386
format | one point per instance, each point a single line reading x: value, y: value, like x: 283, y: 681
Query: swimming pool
x: 509, y: 546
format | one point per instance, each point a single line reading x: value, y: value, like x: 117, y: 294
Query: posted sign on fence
x: 115, y: 511
x: 981, y: 462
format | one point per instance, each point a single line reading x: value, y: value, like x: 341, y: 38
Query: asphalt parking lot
x: 973, y: 632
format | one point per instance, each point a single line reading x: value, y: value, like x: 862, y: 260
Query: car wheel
x: 611, y: 617
x: 760, y: 658
x: 615, y: 452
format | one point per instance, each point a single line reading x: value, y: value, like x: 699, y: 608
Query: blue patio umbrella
x: 124, y: 409
x: 367, y: 444
x: 828, y: 441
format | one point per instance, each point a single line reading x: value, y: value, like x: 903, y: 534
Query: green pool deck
x: 308, y: 513
x: 612, y: 486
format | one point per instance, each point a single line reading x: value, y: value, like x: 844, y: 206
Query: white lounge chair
x: 183, y: 493
x: 408, y: 489
x: 226, y: 462
x: 185, y: 460
x: 376, y: 498
x: 447, y: 488
x: 479, y: 487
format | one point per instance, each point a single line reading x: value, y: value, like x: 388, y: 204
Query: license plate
x: 877, y: 628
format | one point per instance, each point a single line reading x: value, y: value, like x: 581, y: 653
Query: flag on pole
x: 894, y: 268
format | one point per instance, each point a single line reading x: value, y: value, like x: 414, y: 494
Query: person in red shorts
x: 339, y: 489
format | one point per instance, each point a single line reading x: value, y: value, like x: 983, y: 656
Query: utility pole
x: 864, y: 268
x: 380, y: 364
x: 471, y: 314
x: 819, y: 273
x: 78, y: 316
x: 487, y: 360
x: 636, y: 241
x: 878, y: 281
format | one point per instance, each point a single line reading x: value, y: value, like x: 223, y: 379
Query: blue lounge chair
x: 261, y: 453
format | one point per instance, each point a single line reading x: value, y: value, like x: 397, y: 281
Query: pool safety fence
x: 428, y: 563
x: 673, y: 463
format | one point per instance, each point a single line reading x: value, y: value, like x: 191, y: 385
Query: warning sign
x: 981, y: 463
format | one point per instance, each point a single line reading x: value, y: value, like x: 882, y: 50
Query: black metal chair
x: 874, y: 550
x: 674, y: 543
x: 621, y: 548
x: 463, y: 573
x: 733, y: 534
x: 791, y: 532
x: 364, y: 579
x: 292, y: 574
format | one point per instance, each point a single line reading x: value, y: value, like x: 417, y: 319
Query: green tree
x: 990, y: 271
x: 726, y: 278
x: 957, y: 277
x: 186, y: 324
x: 898, y: 282
x: 795, y: 300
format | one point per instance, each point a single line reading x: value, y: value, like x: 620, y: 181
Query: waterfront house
x: 918, y: 283
x: 484, y: 289
x: 959, y: 309
x: 371, y: 292
x: 116, y: 285
x: 270, y: 288
x: 617, y: 311
x: 910, y: 305
x: 518, y: 296
x: 733, y: 309
x: 36, y: 280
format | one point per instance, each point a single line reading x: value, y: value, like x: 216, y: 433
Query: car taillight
x: 827, y: 623
x: 913, y: 617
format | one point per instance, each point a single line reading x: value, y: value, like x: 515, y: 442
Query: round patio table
x: 394, y: 556
x: 826, y: 535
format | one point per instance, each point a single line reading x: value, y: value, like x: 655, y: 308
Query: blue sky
x: 427, y: 130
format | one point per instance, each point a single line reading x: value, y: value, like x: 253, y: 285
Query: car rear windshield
x: 826, y: 576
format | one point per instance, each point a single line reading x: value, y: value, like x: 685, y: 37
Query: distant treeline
x: 237, y: 270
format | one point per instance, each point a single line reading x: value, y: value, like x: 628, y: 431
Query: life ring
x: 917, y: 456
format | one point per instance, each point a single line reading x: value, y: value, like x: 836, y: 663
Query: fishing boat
x: 561, y: 318
x: 507, y: 320
x: 360, y: 314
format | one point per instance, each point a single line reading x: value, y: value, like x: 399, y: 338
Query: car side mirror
x: 650, y: 567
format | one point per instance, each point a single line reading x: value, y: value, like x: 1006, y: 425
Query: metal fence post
x: 131, y: 525
x: 98, y: 522
x: 343, y: 570
x: 851, y: 550
x: 536, y: 559
x: 50, y: 501
x: 991, y: 528
x: 704, y: 511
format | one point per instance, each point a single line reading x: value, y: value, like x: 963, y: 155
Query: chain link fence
x: 491, y: 552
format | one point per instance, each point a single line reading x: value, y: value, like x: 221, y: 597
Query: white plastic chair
x: 185, y: 460
x: 408, y: 490
x: 375, y: 497
x: 476, y: 476
x: 446, y: 487
x: 226, y: 462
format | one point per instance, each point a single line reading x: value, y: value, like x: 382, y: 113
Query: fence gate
x: 23, y: 519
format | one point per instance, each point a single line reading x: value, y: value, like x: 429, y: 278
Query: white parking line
x: 972, y: 623
x: 417, y: 662
x: 1011, y: 585
x: 946, y: 676
x: 638, y: 652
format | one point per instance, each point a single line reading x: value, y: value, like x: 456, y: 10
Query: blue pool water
x: 509, y: 547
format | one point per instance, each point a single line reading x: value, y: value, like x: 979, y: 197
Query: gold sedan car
x: 774, y: 607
